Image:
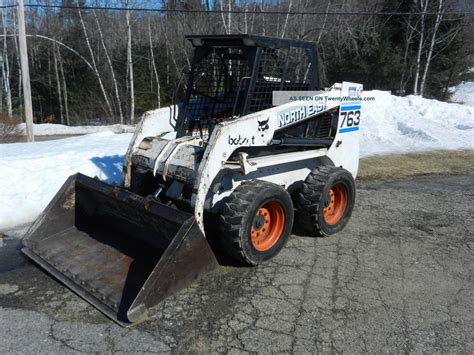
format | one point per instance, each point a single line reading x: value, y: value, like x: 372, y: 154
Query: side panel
x: 296, y: 168
x: 345, y: 151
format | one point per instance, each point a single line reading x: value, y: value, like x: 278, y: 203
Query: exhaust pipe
x: 121, y: 252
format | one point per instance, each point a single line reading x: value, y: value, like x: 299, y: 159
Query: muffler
x: 121, y: 252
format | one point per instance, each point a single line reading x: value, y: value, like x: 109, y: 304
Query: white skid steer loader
x: 237, y: 168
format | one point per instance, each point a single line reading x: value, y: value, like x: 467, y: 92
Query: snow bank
x: 392, y: 124
x: 464, y: 93
x: 31, y: 173
x: 49, y: 129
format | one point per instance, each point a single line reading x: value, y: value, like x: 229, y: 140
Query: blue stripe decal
x: 350, y: 129
x: 350, y: 108
x: 351, y: 103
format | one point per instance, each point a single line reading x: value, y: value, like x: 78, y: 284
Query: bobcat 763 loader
x: 237, y: 167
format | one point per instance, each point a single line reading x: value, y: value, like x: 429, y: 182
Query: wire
x: 7, y: 6
x: 250, y: 12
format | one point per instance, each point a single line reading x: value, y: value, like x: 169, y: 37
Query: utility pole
x: 25, y: 71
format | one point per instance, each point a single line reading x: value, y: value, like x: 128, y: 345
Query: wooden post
x: 25, y: 72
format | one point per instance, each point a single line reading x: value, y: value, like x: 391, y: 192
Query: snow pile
x: 32, y: 173
x: 50, y: 129
x: 464, y: 93
x: 392, y: 124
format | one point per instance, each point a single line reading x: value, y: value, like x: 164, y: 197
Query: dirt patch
x: 396, y: 167
x: 8, y: 127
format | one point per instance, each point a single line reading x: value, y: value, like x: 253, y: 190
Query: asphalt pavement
x: 397, y: 279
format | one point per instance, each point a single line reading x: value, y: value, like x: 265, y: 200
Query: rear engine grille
x: 324, y: 130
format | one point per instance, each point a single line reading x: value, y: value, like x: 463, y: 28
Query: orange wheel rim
x: 267, y: 226
x: 335, y: 204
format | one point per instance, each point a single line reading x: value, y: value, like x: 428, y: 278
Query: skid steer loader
x: 224, y: 161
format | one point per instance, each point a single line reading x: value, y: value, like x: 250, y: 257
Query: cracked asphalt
x: 397, y: 279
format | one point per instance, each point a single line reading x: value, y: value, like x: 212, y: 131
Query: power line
x: 248, y: 12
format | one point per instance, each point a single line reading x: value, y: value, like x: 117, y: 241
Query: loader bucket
x: 121, y: 252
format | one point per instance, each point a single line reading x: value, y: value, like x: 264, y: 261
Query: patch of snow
x: 49, y: 129
x: 32, y: 173
x: 464, y: 93
x: 17, y: 232
x: 6, y: 289
x: 396, y: 125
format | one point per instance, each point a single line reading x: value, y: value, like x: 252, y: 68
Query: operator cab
x: 234, y: 75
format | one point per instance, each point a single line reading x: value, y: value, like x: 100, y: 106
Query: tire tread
x: 308, y: 199
x: 232, y: 217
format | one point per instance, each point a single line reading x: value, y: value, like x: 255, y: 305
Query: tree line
x: 109, y: 66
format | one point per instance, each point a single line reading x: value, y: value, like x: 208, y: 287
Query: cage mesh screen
x: 219, y: 83
x: 280, y: 69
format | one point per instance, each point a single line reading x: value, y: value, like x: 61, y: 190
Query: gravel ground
x: 397, y: 279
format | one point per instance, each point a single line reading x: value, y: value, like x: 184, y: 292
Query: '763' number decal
x: 350, y: 119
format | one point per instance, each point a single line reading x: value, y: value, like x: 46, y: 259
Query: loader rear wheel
x: 325, y: 202
x: 256, y: 221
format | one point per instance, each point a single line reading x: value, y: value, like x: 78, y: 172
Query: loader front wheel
x: 325, y: 202
x: 256, y: 221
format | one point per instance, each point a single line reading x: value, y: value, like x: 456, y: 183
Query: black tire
x: 239, y: 222
x: 314, y: 197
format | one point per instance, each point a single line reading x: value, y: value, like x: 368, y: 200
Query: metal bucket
x: 121, y: 252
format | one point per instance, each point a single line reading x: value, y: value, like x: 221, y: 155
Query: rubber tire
x: 238, y: 214
x: 309, y: 201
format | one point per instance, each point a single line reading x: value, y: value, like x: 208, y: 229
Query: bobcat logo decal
x: 263, y: 125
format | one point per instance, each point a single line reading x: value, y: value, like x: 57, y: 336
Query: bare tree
x: 111, y: 67
x: 286, y: 19
x: 409, y: 36
x: 421, y: 42
x: 102, y: 88
x: 439, y: 17
x: 58, y: 84
x: 63, y: 80
x: 228, y: 25
x: 6, y: 70
x: 1, y: 82
x: 321, y: 31
x: 170, y: 47
x: 155, y: 71
x: 130, y: 62
x: 17, y: 51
